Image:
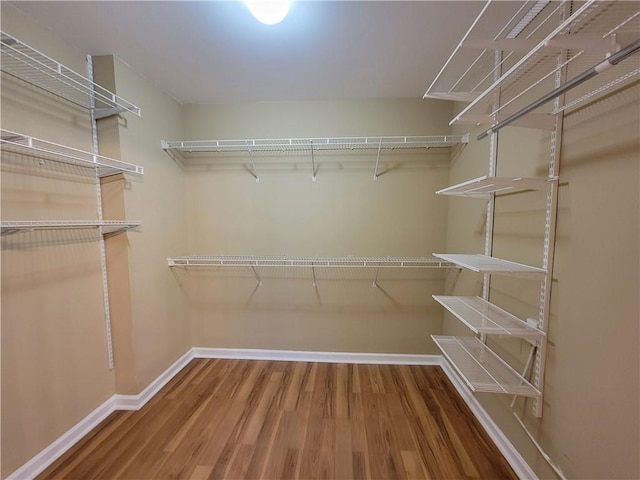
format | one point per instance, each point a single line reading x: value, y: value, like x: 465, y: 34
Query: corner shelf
x: 481, y: 369
x: 21, y: 144
x: 107, y: 227
x: 483, y: 187
x: 28, y: 64
x: 524, y: 41
x: 485, y: 264
x: 485, y: 318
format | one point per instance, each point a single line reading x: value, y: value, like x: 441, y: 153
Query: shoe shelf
x: 481, y: 369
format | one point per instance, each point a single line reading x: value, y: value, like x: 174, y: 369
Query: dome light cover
x: 269, y: 12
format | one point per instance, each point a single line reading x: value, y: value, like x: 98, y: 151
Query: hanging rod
x: 574, y: 82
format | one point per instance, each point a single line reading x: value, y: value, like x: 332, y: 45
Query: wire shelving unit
x: 320, y: 262
x: 107, y: 227
x: 527, y: 38
x: 481, y: 369
x: 19, y: 60
x: 44, y: 150
x: 28, y: 64
x: 483, y: 317
x: 313, y: 268
x: 492, y: 265
x: 191, y: 151
x: 485, y: 186
x: 301, y: 145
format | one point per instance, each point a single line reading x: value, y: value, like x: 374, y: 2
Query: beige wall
x: 591, y: 416
x: 160, y: 331
x: 345, y: 212
x: 54, y: 348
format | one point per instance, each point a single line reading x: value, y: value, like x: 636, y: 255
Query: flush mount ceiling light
x: 269, y: 12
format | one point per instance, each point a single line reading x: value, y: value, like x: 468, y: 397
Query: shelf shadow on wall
x: 238, y: 289
x: 30, y: 239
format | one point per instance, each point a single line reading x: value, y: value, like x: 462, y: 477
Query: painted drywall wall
x: 590, y: 418
x: 344, y: 213
x: 54, y: 347
x: 54, y: 355
x: 158, y: 309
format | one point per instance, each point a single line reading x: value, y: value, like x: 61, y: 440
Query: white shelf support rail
x: 313, y: 167
x: 103, y: 252
x: 548, y: 249
x: 44, y: 150
x: 254, y: 170
x: 375, y: 173
x: 28, y: 64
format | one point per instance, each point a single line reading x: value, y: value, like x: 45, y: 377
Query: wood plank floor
x: 240, y: 419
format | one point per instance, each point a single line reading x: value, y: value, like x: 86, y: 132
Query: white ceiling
x: 215, y: 52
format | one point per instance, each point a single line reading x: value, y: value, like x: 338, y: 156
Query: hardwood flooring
x: 240, y: 419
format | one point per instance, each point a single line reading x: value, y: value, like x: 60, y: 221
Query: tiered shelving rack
x: 27, y: 64
x: 526, y: 64
x: 481, y: 368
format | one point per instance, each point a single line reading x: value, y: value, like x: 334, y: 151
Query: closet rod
x: 614, y: 59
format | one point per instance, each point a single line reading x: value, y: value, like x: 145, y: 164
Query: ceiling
x: 215, y: 52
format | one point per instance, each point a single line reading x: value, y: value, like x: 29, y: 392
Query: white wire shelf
x: 316, y: 144
x: 481, y: 369
x: 316, y: 262
x: 485, y: 318
x: 107, y: 227
x: 485, y: 264
x: 373, y: 269
x: 483, y: 187
x: 21, y: 144
x: 28, y: 64
x: 513, y: 48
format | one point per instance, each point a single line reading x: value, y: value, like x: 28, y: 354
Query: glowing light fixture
x: 269, y: 12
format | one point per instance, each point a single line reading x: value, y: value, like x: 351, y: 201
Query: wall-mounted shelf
x: 345, y: 268
x: 485, y: 318
x: 513, y: 48
x: 43, y: 150
x: 191, y: 151
x: 483, y: 187
x: 481, y: 369
x: 485, y: 264
x: 30, y: 65
x: 107, y: 227
x: 317, y: 144
x: 320, y: 262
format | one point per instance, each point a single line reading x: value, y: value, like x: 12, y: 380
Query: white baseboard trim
x: 46, y: 457
x: 136, y: 402
x: 511, y: 455
x: 323, y: 357
x: 50, y: 454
